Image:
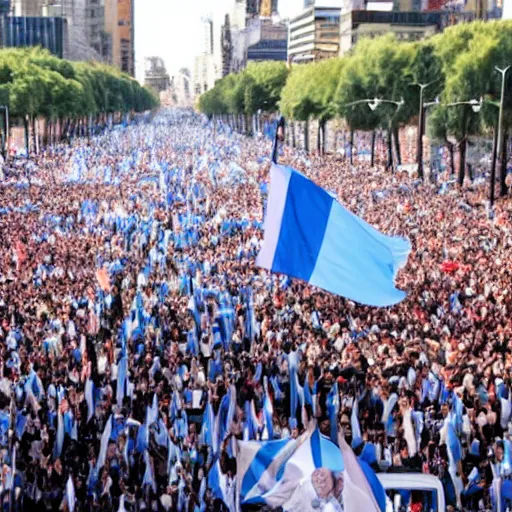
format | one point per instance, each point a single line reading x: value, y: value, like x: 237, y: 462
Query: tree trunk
x: 470, y: 173
x: 306, y: 136
x: 46, y: 132
x: 396, y: 137
x: 449, y: 145
x: 319, y: 139
x: 503, y: 163
x: 294, y: 140
x: 389, y: 164
x: 351, y: 145
x: 372, y: 157
x: 462, y: 160
x: 492, y: 179
x: 323, y: 132
x: 27, y: 135
x: 34, y: 134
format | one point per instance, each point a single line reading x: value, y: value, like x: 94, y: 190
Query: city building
x: 181, y: 88
x: 314, y: 34
x: 408, y: 26
x: 206, y: 70
x: 95, y: 27
x: 126, y: 36
x: 267, y: 41
x: 112, y: 41
x: 85, y: 37
x: 22, y: 31
x: 257, y: 33
x: 27, y: 7
x: 155, y: 74
x: 204, y: 74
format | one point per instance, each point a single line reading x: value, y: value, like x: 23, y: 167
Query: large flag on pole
x: 310, y: 236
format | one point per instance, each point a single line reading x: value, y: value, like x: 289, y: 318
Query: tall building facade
x: 155, y: 75
x: 23, y: 31
x: 314, y: 34
x: 85, y: 34
x: 126, y: 35
x: 208, y: 68
x: 267, y: 41
x: 113, y: 53
x: 27, y: 7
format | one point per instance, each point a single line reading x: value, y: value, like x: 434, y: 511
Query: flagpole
x: 278, y: 136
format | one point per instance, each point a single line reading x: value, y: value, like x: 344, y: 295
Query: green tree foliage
x: 468, y: 55
x: 310, y: 89
x: 35, y: 83
x: 268, y: 80
x: 258, y: 87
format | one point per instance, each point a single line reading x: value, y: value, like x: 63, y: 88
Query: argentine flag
x: 310, y: 236
x: 279, y: 473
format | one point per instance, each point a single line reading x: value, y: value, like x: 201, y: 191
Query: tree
x: 469, y: 74
x: 269, y: 79
x: 426, y: 73
x: 296, y: 103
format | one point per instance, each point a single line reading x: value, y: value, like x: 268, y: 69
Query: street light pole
x: 373, y: 105
x: 421, y: 128
x: 503, y: 185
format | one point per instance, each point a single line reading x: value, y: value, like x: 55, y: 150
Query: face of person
x: 325, y: 427
x: 323, y: 482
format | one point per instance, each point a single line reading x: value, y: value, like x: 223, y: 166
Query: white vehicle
x: 425, y: 488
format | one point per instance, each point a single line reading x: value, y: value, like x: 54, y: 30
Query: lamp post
x: 373, y: 105
x: 476, y: 105
x: 503, y: 185
x: 421, y: 129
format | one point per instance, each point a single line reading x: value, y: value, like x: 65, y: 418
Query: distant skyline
x: 172, y: 29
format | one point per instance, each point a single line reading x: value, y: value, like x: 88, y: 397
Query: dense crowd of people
x: 139, y: 339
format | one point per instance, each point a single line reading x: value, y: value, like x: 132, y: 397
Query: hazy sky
x: 172, y: 29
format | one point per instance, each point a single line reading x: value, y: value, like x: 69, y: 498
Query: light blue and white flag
x: 310, y: 236
x: 278, y: 473
x: 220, y: 487
x: 70, y: 494
x: 149, y: 477
x: 105, y: 438
x: 361, y: 487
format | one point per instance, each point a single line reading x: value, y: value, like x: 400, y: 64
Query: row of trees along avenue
x: 69, y: 95
x: 453, y: 75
